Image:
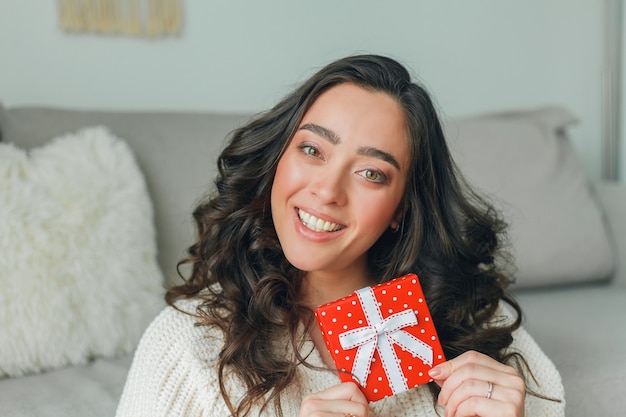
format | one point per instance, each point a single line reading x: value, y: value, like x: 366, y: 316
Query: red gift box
x: 382, y: 337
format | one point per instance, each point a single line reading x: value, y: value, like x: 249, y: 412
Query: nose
x: 329, y: 186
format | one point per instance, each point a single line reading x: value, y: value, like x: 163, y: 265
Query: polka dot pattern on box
x: 421, y: 351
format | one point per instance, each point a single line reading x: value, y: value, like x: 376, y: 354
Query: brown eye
x: 373, y: 176
x: 310, y: 151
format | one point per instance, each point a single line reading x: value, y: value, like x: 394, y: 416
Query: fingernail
x: 435, y: 372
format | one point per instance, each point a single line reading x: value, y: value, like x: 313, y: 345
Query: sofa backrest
x: 522, y: 159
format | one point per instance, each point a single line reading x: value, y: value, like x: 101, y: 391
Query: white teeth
x: 317, y: 225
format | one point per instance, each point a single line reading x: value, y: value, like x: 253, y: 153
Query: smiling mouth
x: 317, y: 225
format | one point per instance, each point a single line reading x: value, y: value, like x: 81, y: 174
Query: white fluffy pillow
x: 78, y: 271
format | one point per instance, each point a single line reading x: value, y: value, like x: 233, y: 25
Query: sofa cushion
x: 78, y: 266
x: 581, y: 328
x: 91, y: 390
x: 525, y: 162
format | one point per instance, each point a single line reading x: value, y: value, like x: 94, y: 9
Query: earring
x: 394, y: 229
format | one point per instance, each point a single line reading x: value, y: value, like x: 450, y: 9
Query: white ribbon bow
x: 381, y: 334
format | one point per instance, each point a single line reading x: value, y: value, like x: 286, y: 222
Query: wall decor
x: 143, y: 18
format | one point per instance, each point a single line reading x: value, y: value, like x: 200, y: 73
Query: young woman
x: 346, y: 183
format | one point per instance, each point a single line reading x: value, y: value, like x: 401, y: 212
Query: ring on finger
x: 349, y: 415
x: 489, y: 390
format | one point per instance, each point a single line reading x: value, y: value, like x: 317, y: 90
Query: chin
x: 305, y: 266
x: 305, y: 263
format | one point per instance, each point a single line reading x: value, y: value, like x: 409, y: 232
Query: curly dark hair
x: 450, y: 236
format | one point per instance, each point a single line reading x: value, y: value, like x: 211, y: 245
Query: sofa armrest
x: 612, y: 197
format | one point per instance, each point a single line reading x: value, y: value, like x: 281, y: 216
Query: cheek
x: 282, y: 171
x: 377, y: 211
x: 277, y: 186
x: 290, y: 174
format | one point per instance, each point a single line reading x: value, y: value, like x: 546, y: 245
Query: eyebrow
x: 333, y: 138
x: 327, y: 134
x: 377, y: 153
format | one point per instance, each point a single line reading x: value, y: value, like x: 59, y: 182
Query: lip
x: 309, y: 234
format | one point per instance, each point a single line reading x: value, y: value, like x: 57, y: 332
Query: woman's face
x: 340, y: 181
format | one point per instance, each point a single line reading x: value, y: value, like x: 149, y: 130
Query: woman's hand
x: 339, y: 400
x: 474, y: 384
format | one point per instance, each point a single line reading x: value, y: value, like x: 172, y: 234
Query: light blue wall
x: 236, y: 55
x: 622, y: 113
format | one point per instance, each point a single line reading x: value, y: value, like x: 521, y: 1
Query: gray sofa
x: 568, y: 234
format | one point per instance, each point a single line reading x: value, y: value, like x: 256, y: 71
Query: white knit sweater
x: 174, y: 374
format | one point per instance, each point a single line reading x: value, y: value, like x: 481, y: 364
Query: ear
x: 395, y: 223
x: 397, y: 217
